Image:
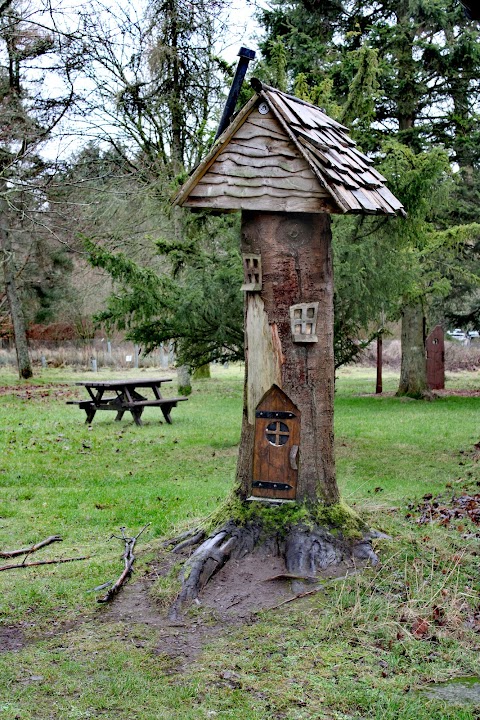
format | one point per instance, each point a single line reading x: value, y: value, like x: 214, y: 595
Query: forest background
x: 104, y: 112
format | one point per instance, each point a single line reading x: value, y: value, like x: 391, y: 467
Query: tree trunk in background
x: 14, y: 304
x: 297, y: 268
x: 184, y: 382
x: 202, y: 372
x: 413, y: 375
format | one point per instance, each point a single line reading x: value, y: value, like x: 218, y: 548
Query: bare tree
x: 154, y: 82
x: 30, y: 54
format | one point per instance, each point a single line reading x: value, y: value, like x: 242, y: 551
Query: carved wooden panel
x: 252, y: 273
x: 276, y: 448
x: 303, y: 320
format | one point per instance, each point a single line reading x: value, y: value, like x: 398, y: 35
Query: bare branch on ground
x: 29, y: 550
x: 42, y: 562
x: 128, y: 559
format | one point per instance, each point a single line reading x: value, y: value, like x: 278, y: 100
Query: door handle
x: 293, y: 457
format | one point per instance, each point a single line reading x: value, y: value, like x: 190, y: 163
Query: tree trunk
x: 184, y: 381
x: 202, y: 372
x: 14, y: 304
x: 287, y: 428
x: 296, y: 260
x: 413, y: 375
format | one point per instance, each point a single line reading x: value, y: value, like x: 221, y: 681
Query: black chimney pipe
x: 245, y: 56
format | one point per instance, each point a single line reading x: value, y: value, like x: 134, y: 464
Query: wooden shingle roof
x: 284, y: 154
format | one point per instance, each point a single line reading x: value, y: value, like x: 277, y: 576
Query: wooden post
x: 379, y: 386
x: 297, y: 268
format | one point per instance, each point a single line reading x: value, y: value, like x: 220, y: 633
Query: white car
x: 457, y: 334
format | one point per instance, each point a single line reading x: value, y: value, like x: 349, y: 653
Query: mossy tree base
x: 309, y: 539
x: 420, y: 395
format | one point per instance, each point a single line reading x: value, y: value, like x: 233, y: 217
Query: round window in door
x: 277, y: 433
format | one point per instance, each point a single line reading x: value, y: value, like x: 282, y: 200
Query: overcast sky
x: 243, y: 27
x: 243, y: 30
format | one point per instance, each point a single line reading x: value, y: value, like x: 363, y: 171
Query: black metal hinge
x: 271, y: 485
x: 274, y: 414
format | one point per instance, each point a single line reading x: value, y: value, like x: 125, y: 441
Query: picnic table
x: 123, y: 395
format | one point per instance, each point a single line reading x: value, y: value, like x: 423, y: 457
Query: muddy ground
x: 233, y: 597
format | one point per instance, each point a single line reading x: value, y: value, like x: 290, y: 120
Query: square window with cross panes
x: 303, y: 320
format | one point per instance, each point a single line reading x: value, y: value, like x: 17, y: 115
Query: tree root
x: 229, y: 541
x: 178, y: 539
x: 307, y: 550
x: 189, y: 541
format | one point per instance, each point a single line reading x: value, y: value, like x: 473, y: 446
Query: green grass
x: 349, y: 652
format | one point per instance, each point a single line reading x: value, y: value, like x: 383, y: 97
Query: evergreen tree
x: 197, y: 304
x: 404, y: 69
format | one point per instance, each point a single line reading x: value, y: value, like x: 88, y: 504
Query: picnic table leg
x: 90, y: 413
x: 119, y: 415
x: 137, y: 415
x: 166, y: 413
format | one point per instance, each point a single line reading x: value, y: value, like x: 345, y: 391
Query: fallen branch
x: 101, y: 587
x: 128, y: 559
x: 29, y: 550
x: 43, y: 562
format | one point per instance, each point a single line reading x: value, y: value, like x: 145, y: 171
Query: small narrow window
x: 252, y: 273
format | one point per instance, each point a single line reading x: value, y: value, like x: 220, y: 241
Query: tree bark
x: 184, y: 381
x: 13, y: 298
x: 296, y: 258
x: 413, y: 374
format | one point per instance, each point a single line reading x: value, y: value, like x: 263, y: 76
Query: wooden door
x: 276, y: 449
x: 435, y: 346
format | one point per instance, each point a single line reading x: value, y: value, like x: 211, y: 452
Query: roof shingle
x: 344, y: 174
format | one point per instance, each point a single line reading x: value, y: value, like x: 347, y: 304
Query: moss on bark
x: 339, y: 518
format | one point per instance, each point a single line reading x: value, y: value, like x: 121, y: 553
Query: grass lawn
x: 357, y: 650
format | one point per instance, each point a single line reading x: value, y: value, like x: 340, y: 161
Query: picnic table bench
x: 125, y: 397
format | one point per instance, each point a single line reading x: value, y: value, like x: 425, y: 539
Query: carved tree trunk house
x: 287, y: 166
